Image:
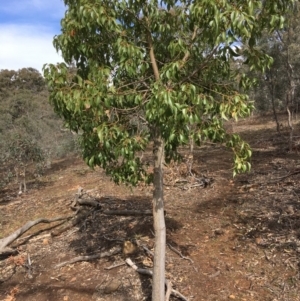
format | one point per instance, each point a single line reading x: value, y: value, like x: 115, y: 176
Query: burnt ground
x: 240, y: 237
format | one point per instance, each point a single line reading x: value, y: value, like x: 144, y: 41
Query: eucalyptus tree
x: 156, y: 73
x: 280, y: 83
x: 269, y: 93
x: 288, y: 63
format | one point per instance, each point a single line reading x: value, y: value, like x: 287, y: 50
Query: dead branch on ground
x: 150, y: 273
x: 115, y: 266
x: 284, y: 177
x: 113, y: 251
x: 127, y: 212
x: 81, y: 215
x: 169, y: 291
x: 4, y: 242
x: 83, y: 199
x: 183, y: 257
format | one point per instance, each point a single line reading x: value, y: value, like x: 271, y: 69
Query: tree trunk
x: 271, y: 86
x: 158, y: 282
x: 291, y: 128
x: 158, y: 286
x: 274, y: 107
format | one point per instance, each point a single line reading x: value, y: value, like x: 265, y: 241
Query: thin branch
x: 169, y: 291
x: 183, y: 257
x: 128, y: 212
x: 187, y: 54
x: 4, y: 242
x: 152, y: 57
x: 115, y: 266
x: 90, y: 257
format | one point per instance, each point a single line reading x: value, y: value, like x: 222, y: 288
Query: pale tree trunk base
x: 168, y: 284
x: 159, y: 225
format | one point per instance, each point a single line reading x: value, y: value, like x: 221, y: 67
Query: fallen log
x: 6, y: 252
x: 88, y: 202
x: 4, y: 242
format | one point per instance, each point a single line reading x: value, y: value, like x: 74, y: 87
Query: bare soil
x: 239, y: 238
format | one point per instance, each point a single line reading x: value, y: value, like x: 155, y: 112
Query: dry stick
x: 290, y: 174
x: 94, y: 203
x: 78, y: 218
x: 217, y: 273
x: 115, y: 266
x: 294, y: 192
x: 89, y: 202
x: 36, y: 238
x: 29, y: 266
x: 9, y: 239
x: 127, y: 212
x: 150, y: 273
x: 147, y: 251
x: 169, y: 291
x: 183, y: 257
x: 33, y: 237
x: 90, y: 257
x: 284, y: 177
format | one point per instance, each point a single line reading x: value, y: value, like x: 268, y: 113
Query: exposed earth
x: 234, y: 239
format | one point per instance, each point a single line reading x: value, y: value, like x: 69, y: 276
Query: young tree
x: 279, y: 85
x: 158, y: 73
x: 287, y: 63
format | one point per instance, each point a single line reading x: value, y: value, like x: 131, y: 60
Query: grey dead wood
x: 77, y: 218
x: 88, y: 202
x: 115, y: 266
x: 111, y: 252
x: 113, y: 212
x: 169, y: 291
x: 5, y: 252
x: 127, y: 212
x: 4, y: 242
x: 183, y: 257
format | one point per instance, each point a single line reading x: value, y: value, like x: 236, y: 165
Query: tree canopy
x: 156, y: 63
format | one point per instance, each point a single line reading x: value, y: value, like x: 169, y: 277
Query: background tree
x: 278, y: 87
x: 289, y: 56
x: 156, y: 73
x: 268, y: 92
x: 28, y: 125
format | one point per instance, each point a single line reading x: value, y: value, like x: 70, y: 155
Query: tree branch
x: 4, y: 242
x: 152, y: 57
x: 114, y: 251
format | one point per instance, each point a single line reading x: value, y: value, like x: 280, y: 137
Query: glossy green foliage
x: 114, y: 98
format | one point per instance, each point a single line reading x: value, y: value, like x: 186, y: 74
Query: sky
x: 27, y: 28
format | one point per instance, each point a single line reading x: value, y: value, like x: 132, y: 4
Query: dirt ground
x: 234, y: 239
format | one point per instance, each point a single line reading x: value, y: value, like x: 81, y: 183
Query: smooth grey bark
x: 158, y: 282
x: 158, y: 285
